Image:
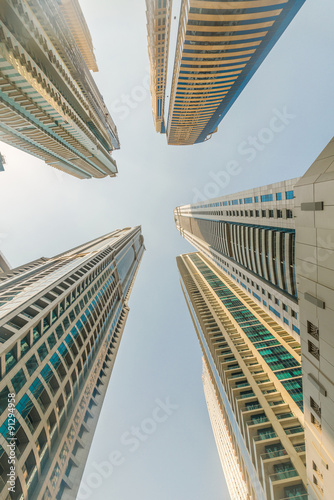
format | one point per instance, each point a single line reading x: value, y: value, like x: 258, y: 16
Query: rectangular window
x: 315, y: 407
x: 286, y: 321
x: 289, y: 195
x: 278, y: 196
x: 315, y: 422
x: 267, y: 197
x: 235, y: 202
x: 314, y: 350
x: 248, y: 200
x: 289, y: 214
x: 295, y: 329
x: 256, y: 199
x: 313, y: 330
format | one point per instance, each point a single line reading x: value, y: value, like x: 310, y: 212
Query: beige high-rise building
x: 158, y: 15
x: 50, y: 105
x: 219, y: 47
x: 255, y: 365
x: 61, y: 324
x: 237, y: 487
x: 314, y: 209
x: 4, y: 265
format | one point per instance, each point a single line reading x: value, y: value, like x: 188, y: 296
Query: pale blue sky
x: 44, y: 212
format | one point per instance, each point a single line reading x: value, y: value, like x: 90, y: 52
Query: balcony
x: 294, y: 430
x: 265, y: 435
x: 274, y: 454
x: 255, y: 406
x: 256, y: 421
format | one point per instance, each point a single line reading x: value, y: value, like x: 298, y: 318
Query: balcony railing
x: 256, y: 421
x: 300, y: 448
x: 274, y: 454
x: 295, y: 430
x: 303, y: 496
x: 267, y: 435
x: 244, y: 396
x: 283, y: 475
x: 252, y: 407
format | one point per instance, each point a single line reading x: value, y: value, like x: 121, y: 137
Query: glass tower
x: 50, y: 105
x: 255, y: 366
x: 61, y: 323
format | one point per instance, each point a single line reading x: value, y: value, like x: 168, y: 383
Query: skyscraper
x: 251, y: 236
x: 255, y: 366
x: 219, y: 47
x: 314, y: 207
x: 158, y: 15
x: 235, y: 482
x: 61, y: 323
x: 50, y: 105
x: 4, y: 266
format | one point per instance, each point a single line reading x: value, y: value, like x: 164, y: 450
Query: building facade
x: 250, y: 235
x: 314, y: 207
x: 61, y: 323
x: 158, y: 13
x: 50, y: 105
x: 237, y: 487
x: 255, y: 367
x: 220, y: 45
x: 4, y: 265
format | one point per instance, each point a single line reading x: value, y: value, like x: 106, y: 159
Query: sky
x: 44, y: 212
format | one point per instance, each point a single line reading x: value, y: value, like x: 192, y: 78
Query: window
x: 289, y: 214
x: 315, y: 422
x: 269, y: 296
x: 257, y: 213
x: 267, y: 197
x: 263, y: 213
x: 313, y: 330
x: 295, y: 329
x: 315, y: 407
x: 248, y: 200
x: 42, y: 352
x: 278, y: 196
x: 314, y: 350
x: 279, y: 214
x: 19, y: 380
x: 284, y: 307
x: 293, y: 314
x: 271, y: 214
x: 289, y: 195
x: 276, y: 301
x: 32, y: 364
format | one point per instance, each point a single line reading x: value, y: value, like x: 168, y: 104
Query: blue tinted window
x: 289, y: 195
x: 248, y: 200
x: 235, y: 202
x: 267, y: 197
x: 286, y: 321
x: 295, y: 329
x: 278, y: 196
x: 256, y: 199
x: 274, y: 311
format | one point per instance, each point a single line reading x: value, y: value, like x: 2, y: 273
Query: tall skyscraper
x: 251, y: 236
x: 314, y: 209
x: 50, y: 105
x: 61, y: 323
x: 219, y: 47
x: 235, y: 482
x: 158, y: 15
x: 4, y: 266
x: 255, y: 366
